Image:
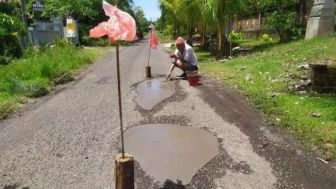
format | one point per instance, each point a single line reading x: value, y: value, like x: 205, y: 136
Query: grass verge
x: 163, y: 38
x: 38, y: 71
x: 267, y: 78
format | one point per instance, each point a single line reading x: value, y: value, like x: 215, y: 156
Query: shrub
x: 10, y: 29
x: 89, y: 41
x: 33, y: 88
x: 168, y: 30
x: 266, y: 37
x: 284, y: 23
x: 234, y: 35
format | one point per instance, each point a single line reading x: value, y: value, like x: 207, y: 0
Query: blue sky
x: 150, y: 7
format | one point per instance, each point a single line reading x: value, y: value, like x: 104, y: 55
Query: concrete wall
x: 46, y: 32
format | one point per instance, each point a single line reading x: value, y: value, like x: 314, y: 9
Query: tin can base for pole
x: 148, y: 72
x: 124, y: 172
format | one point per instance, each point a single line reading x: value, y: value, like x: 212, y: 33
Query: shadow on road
x: 169, y: 184
x: 14, y: 186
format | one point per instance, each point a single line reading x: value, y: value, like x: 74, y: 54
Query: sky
x: 150, y: 7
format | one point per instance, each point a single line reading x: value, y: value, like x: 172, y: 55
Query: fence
x: 254, y: 24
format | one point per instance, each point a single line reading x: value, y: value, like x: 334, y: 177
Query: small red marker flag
x: 153, y: 40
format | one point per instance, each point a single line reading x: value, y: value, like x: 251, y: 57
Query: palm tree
x: 171, y: 14
x: 189, y: 11
x: 203, y: 14
x: 221, y: 10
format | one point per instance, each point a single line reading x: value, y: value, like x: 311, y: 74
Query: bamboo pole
x: 119, y: 100
x: 124, y: 163
x: 151, y: 33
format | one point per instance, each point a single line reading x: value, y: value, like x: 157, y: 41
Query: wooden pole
x: 124, y: 163
x: 148, y: 68
x: 124, y: 171
x: 120, y: 105
x: 149, y: 46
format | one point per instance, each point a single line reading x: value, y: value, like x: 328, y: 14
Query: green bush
x: 33, y: 88
x: 89, y: 41
x: 266, y: 37
x: 10, y: 29
x: 168, y: 30
x: 8, y: 8
x: 234, y: 35
x: 284, y: 23
x: 62, y: 42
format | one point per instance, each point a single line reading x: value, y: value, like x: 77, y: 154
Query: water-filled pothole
x: 170, y: 152
x: 152, y: 92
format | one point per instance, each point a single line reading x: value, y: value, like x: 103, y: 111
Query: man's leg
x: 180, y: 65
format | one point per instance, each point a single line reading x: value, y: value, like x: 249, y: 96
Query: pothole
x: 152, y: 92
x: 171, y: 152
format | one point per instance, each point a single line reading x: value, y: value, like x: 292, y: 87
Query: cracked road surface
x: 69, y: 138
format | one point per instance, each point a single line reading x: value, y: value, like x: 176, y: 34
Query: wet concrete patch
x: 152, y: 92
x: 170, y: 152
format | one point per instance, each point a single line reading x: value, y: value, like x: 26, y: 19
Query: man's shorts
x: 190, y: 67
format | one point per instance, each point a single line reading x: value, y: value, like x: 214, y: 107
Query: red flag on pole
x: 120, y: 26
x: 153, y: 40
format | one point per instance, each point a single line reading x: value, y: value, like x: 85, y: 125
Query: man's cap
x: 179, y: 41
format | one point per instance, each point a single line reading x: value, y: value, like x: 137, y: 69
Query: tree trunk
x: 189, y: 37
x: 259, y: 29
x: 203, y: 35
x: 24, y: 21
x: 220, y: 27
x: 219, y: 41
x: 302, y: 11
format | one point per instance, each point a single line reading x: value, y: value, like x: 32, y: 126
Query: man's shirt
x: 187, y: 55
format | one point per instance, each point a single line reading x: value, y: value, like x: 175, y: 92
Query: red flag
x: 120, y: 26
x: 153, y: 40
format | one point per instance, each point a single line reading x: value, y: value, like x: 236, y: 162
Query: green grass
x: 265, y: 76
x: 36, y: 73
x: 164, y: 38
x: 202, y: 55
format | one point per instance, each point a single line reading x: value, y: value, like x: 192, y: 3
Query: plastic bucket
x: 194, y: 79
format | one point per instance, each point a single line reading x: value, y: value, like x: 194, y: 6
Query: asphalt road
x: 69, y: 138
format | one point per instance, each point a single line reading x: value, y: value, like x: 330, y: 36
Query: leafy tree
x: 189, y: 12
x: 284, y: 24
x: 170, y: 10
x: 74, y: 8
x: 283, y: 18
x: 11, y: 28
x: 221, y: 11
x: 142, y: 22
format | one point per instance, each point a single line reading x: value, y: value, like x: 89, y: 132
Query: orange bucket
x: 194, y: 79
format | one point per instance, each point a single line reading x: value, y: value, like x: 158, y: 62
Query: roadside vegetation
x: 164, y: 37
x: 268, y: 62
x: 206, y: 19
x: 272, y: 80
x: 29, y: 71
x: 39, y: 70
